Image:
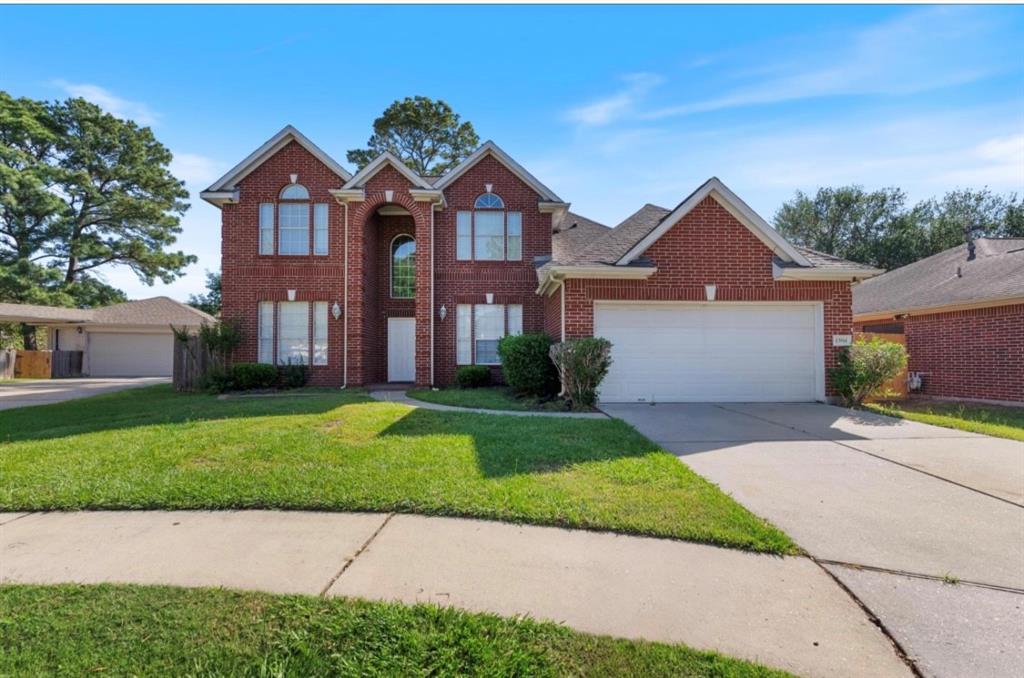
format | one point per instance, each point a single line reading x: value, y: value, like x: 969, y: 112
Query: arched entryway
x: 389, y: 294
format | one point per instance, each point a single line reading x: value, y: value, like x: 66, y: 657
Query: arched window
x: 403, y: 267
x: 489, y: 201
x: 294, y: 192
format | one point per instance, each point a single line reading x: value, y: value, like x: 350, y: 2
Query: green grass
x: 1002, y: 422
x: 492, y: 398
x: 162, y: 631
x: 152, y: 448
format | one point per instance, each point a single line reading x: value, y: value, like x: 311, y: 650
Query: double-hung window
x: 300, y: 224
x: 299, y: 342
x: 479, y: 328
x: 489, y: 233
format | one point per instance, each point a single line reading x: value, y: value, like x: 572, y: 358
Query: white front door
x: 401, y: 349
x: 722, y: 351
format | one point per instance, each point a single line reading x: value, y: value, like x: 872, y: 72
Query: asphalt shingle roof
x: 162, y: 311
x: 574, y: 234
x: 997, y: 271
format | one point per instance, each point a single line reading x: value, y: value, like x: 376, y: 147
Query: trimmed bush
x: 864, y: 367
x: 216, y: 380
x: 249, y: 376
x: 582, y: 365
x: 293, y: 375
x: 473, y: 376
x: 526, y: 364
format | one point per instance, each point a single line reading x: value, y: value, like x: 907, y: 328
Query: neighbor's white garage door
x: 130, y: 355
x: 711, y: 352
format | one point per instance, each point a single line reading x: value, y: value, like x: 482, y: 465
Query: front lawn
x: 1003, y: 422
x: 491, y: 398
x: 162, y: 631
x: 152, y: 448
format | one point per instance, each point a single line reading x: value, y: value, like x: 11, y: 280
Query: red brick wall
x: 553, y: 315
x: 381, y: 230
x: 976, y: 354
x: 248, y: 277
x: 466, y: 282
x: 708, y: 246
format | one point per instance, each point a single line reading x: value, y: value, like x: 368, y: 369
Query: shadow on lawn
x: 153, y: 406
x: 509, y: 446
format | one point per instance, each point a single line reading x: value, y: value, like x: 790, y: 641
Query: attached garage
x: 708, y: 352
x: 130, y: 354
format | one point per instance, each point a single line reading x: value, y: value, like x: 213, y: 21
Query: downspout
x: 561, y: 285
x: 432, y: 205
x: 344, y: 330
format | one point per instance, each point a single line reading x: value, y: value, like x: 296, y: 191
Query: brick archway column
x: 359, y: 214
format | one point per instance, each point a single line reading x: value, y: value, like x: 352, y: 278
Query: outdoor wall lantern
x: 336, y: 310
x: 709, y: 292
x: 443, y: 313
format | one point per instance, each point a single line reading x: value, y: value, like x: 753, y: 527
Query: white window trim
x: 391, y: 266
x: 504, y: 228
x: 308, y: 228
x: 472, y: 331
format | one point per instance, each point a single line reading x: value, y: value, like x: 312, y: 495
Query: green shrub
x: 864, y: 367
x: 292, y: 375
x: 473, y: 376
x: 526, y: 364
x: 582, y: 365
x: 248, y: 376
x: 216, y: 380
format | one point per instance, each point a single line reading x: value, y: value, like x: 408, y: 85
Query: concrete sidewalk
x: 784, y: 612
x: 24, y: 393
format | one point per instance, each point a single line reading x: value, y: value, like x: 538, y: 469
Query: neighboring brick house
x: 386, y: 276
x: 962, y: 314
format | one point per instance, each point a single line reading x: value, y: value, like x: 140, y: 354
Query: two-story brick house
x: 386, y: 276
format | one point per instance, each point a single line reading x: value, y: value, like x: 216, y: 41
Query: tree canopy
x: 210, y: 301
x: 82, y: 190
x: 879, y: 228
x: 427, y: 135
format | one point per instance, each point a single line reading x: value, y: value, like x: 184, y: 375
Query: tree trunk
x: 28, y: 337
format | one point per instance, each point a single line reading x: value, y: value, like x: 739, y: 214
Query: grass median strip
x: 159, y: 631
x: 153, y: 448
x: 993, y: 420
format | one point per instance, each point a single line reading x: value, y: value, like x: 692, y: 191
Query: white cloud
x: 604, y: 111
x: 906, y: 55
x: 109, y: 102
x: 194, y: 169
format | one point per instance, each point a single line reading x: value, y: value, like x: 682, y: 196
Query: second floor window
x: 403, y: 267
x: 293, y: 233
x: 489, y: 233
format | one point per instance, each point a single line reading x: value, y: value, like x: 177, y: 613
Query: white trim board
x: 377, y: 164
x: 492, y: 149
x: 272, y: 146
x: 736, y: 207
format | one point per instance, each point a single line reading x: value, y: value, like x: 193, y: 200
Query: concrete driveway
x: 894, y: 509
x: 42, y: 391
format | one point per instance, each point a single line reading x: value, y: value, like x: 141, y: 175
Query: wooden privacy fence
x: 895, y: 388
x: 192, y: 360
x: 7, y: 359
x: 66, y: 364
x: 33, y: 365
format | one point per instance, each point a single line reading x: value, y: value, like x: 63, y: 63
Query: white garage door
x: 130, y: 355
x: 712, y: 352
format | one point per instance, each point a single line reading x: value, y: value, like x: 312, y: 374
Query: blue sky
x: 610, y: 106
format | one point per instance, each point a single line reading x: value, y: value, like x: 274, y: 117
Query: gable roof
x: 156, y: 311
x: 996, y: 273
x: 731, y: 202
x: 288, y: 134
x: 489, y: 148
x: 573, y: 234
x: 378, y: 163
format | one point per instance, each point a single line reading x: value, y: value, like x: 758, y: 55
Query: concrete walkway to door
x: 895, y: 509
x: 785, y: 612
